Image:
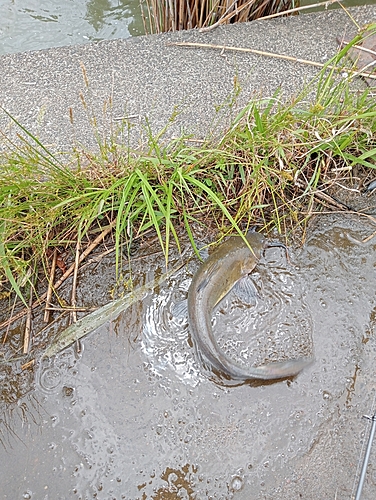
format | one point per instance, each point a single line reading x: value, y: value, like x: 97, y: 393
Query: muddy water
x: 133, y: 417
x: 31, y: 25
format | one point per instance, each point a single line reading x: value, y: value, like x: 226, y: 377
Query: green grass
x: 264, y: 171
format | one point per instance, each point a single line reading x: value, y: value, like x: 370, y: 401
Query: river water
x: 133, y: 416
x: 34, y: 24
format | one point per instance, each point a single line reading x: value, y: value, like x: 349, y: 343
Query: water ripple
x: 165, y: 337
x: 277, y: 324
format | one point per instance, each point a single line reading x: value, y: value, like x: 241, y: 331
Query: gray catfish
x: 214, y: 279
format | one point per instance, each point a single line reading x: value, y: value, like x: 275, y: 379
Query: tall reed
x: 174, y: 15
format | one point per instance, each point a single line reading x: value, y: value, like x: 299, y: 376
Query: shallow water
x: 133, y: 416
x: 33, y: 25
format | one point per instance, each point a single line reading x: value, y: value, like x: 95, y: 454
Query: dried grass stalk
x: 175, y: 15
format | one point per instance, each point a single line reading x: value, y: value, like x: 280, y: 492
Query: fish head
x: 256, y: 241
x: 256, y: 244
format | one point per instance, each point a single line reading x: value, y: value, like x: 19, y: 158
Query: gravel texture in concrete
x: 149, y: 77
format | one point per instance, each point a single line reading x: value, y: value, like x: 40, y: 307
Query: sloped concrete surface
x: 149, y: 77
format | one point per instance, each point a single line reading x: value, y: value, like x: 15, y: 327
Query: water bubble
x: 172, y: 477
x: 54, y: 420
x: 325, y: 395
x: 50, y: 379
x: 236, y: 483
x: 68, y: 391
x: 323, y: 304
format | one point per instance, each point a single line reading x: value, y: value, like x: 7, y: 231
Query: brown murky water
x: 132, y: 417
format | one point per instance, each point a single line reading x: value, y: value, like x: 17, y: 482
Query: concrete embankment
x: 150, y: 77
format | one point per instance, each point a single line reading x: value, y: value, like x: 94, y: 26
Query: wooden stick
x: 226, y: 16
x: 367, y: 67
x: 66, y: 275
x: 73, y: 314
x: 46, y: 318
x: 247, y: 50
x: 70, y: 308
x: 298, y: 9
x: 28, y: 324
x: 368, y: 238
x: 28, y: 364
x: 269, y: 54
x: 341, y: 207
x: 83, y: 256
x: 321, y: 196
x: 359, y: 47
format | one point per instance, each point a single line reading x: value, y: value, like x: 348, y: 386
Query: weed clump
x: 160, y: 16
x: 276, y: 164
